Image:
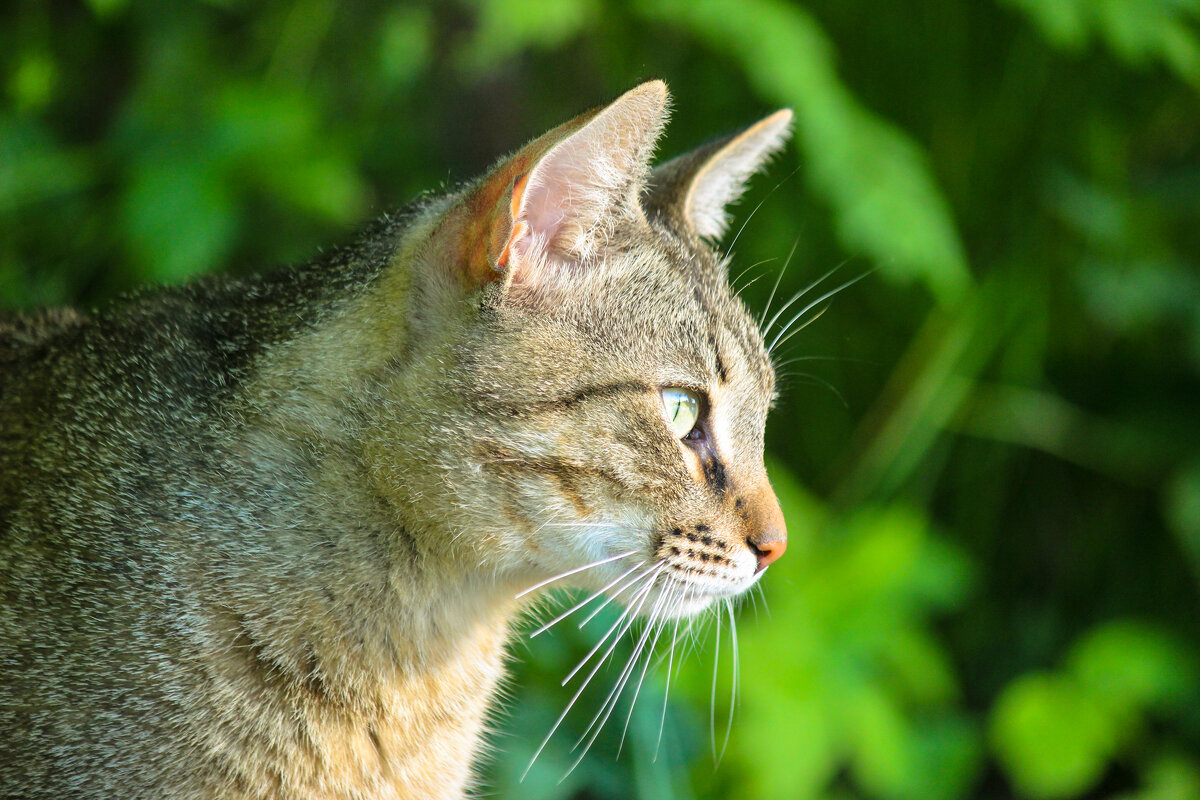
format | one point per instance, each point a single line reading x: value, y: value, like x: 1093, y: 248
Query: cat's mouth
x: 699, y: 567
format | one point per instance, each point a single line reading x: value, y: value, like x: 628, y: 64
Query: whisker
x: 661, y: 626
x: 639, y: 597
x: 778, y: 278
x: 585, y: 601
x: 738, y: 235
x: 643, y: 593
x: 763, y: 595
x: 809, y: 307
x: 813, y: 379
x: 667, y: 689
x: 733, y: 642
x: 742, y: 274
x: 805, y: 324
x: 618, y: 592
x: 610, y: 702
x: 843, y: 359
x: 738, y: 292
x: 626, y: 669
x: 753, y: 601
x: 712, y: 705
x: 570, y: 572
x: 782, y: 309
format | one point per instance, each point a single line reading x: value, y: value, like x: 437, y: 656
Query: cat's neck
x: 352, y: 608
x: 377, y: 658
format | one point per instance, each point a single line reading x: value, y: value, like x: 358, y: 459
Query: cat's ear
x: 693, y: 190
x: 553, y: 202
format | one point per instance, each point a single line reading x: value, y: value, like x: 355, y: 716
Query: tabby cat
x: 267, y: 538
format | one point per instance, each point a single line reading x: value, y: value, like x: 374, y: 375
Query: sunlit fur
x: 266, y: 538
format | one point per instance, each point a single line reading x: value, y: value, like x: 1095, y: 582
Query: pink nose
x: 767, y: 552
x: 769, y: 539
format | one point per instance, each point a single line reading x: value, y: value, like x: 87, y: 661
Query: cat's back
x: 25, y: 336
x: 27, y: 341
x: 114, y: 435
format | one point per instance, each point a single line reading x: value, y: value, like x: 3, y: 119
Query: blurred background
x: 988, y: 450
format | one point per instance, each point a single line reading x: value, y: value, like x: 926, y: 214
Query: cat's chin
x: 688, y: 606
x: 675, y: 600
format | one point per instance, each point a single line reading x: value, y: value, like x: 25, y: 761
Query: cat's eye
x: 682, y: 409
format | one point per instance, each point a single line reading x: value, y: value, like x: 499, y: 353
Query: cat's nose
x: 768, y: 537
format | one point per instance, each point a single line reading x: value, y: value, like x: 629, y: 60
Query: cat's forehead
x: 664, y: 303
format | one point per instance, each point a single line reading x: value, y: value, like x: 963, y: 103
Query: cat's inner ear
x: 577, y: 191
x: 554, y: 202
x: 694, y: 190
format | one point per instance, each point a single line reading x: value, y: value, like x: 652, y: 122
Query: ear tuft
x: 696, y: 188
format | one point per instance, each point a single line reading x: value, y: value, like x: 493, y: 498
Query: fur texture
x: 262, y: 538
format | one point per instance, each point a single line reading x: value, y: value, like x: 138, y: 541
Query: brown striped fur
x: 261, y: 538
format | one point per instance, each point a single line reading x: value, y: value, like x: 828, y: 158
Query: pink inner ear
x: 574, y: 192
x: 539, y: 211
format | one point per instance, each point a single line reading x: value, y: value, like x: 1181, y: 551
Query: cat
x: 268, y: 537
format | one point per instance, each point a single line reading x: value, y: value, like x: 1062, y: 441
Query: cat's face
x: 606, y: 391
x: 591, y: 400
x: 589, y: 436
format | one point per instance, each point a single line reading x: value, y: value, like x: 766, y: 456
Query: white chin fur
x: 671, y: 599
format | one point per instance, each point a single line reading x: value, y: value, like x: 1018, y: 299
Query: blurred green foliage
x: 991, y: 588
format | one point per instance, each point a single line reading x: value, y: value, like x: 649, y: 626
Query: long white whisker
x: 783, y: 308
x: 570, y: 572
x: 738, y: 292
x: 642, y: 593
x: 662, y: 626
x: 840, y: 359
x: 738, y: 235
x: 824, y: 384
x: 639, y: 597
x: 778, y: 278
x: 618, y: 592
x: 712, y: 705
x: 624, y: 677
x: 610, y: 702
x: 763, y: 595
x: 659, y: 628
x: 742, y: 274
x: 585, y: 601
x: 667, y: 689
x: 802, y: 326
x: 733, y: 641
x: 810, y: 306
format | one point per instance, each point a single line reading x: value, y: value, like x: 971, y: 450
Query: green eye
x: 682, y: 409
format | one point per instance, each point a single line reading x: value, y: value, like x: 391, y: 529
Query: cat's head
x: 592, y: 388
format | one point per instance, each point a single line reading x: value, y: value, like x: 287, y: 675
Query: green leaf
x: 1170, y: 777
x: 33, y: 168
x: 1063, y: 22
x: 32, y: 83
x: 405, y: 39
x: 179, y: 218
x: 1137, y: 31
x: 1132, y: 665
x: 921, y: 666
x: 506, y: 27
x: 1182, y: 510
x: 1051, y: 737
